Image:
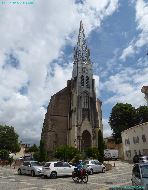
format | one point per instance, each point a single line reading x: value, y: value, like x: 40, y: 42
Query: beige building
x: 135, y: 141
x: 74, y: 115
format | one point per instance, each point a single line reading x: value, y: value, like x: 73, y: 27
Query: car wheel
x: 91, y: 171
x: 32, y: 173
x: 19, y: 172
x: 103, y: 170
x: 85, y: 178
x: 53, y: 175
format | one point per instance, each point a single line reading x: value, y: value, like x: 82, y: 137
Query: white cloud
x: 106, y: 128
x: 126, y: 86
x: 141, y: 19
x: 36, y: 34
x: 129, y: 51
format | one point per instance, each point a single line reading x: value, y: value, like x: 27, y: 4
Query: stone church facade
x: 74, y: 115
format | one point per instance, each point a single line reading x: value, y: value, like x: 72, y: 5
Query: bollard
x: 114, y: 164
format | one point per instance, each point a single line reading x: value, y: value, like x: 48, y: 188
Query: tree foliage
x: 92, y: 152
x: 100, y: 146
x: 66, y: 153
x: 9, y: 139
x: 36, y: 155
x: 43, y: 156
x: 4, y: 154
x: 121, y: 118
x: 141, y: 114
x: 124, y: 116
x: 33, y: 148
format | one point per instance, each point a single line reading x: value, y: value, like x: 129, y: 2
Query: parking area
x: 120, y: 175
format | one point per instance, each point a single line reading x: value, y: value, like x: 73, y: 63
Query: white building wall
x: 135, y: 141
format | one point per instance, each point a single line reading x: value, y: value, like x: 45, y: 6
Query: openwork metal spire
x: 81, y: 52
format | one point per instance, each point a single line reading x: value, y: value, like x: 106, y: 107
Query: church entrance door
x: 86, y: 140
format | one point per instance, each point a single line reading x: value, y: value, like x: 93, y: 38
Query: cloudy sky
x: 36, y: 55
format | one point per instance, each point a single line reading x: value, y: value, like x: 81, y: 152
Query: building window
x: 136, y: 140
x: 82, y: 80
x: 127, y: 142
x: 87, y: 81
x: 85, y: 100
x: 143, y: 138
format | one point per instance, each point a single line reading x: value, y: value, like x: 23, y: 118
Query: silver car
x: 140, y: 175
x: 32, y: 168
x: 95, y: 166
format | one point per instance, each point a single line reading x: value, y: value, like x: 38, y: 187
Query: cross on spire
x: 81, y: 52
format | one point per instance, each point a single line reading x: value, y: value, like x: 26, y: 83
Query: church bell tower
x: 84, y: 118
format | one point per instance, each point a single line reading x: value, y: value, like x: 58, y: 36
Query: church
x: 74, y: 114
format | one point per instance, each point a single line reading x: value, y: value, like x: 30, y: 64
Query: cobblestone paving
x: 119, y: 175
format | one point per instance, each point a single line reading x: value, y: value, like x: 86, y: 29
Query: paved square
x: 119, y: 175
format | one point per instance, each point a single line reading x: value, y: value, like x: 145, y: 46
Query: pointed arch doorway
x: 86, y: 140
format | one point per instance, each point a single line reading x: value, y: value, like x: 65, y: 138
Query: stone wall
x: 55, y: 125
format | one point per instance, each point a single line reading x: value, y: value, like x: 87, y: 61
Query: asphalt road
x: 120, y: 175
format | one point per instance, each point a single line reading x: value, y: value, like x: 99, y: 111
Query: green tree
x: 122, y: 117
x: 100, y: 146
x: 43, y: 156
x: 92, y: 152
x: 33, y: 148
x: 4, y: 154
x: 9, y: 139
x: 65, y: 152
x: 36, y: 155
x: 141, y: 114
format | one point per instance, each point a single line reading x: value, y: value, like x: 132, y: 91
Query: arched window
x: 82, y: 80
x: 87, y: 81
x: 85, y: 100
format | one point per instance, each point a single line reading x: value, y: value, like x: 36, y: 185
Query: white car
x: 57, y: 168
x: 33, y: 168
x: 95, y: 166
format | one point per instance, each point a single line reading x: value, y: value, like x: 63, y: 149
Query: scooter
x: 79, y: 176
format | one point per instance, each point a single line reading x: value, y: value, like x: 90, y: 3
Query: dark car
x: 140, y: 176
x: 143, y: 159
x: 140, y: 159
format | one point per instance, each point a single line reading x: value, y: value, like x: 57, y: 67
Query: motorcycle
x: 79, y: 176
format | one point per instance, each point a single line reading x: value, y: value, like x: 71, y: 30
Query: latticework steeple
x: 81, y: 51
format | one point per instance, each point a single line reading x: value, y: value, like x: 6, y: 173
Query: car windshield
x: 35, y: 164
x: 144, y: 171
x: 97, y: 162
x: 47, y: 164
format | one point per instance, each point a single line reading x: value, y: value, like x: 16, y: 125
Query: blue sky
x: 36, y: 55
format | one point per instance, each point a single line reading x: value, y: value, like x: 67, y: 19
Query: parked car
x: 57, y: 168
x: 33, y: 168
x: 140, y: 175
x: 95, y: 166
x: 143, y: 159
x: 140, y: 159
